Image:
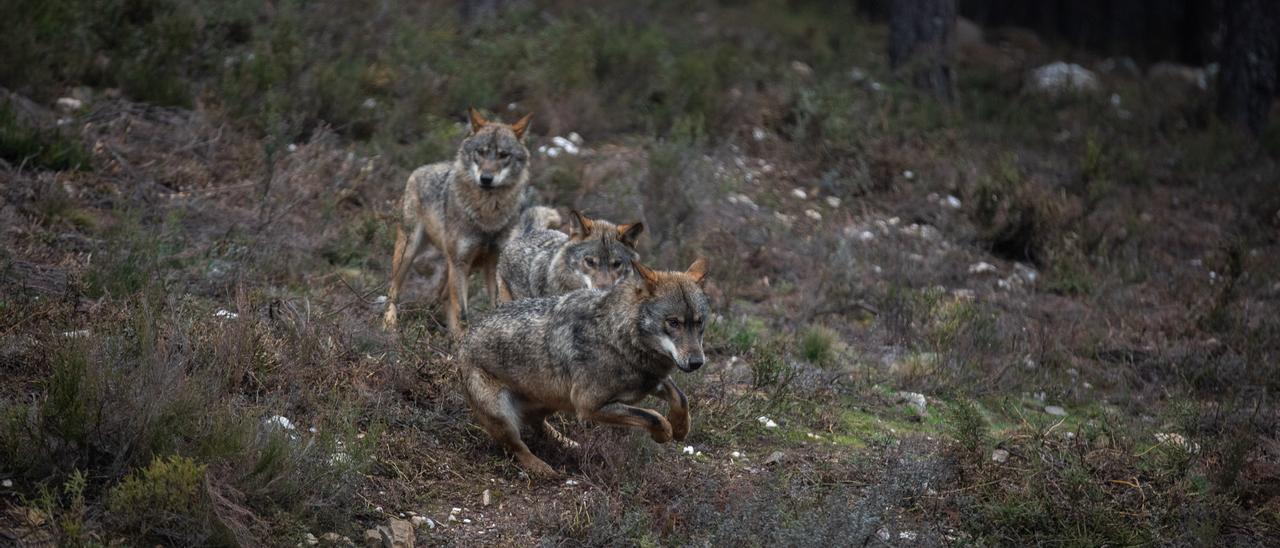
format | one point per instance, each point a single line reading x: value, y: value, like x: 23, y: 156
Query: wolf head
x: 494, y: 153
x: 673, y: 313
x: 598, y: 252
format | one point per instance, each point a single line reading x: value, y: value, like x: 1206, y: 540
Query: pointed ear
x: 698, y: 270
x: 579, y: 224
x: 649, y: 277
x: 521, y: 125
x: 477, y: 119
x: 628, y: 234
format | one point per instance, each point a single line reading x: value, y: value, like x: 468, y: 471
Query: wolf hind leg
x: 538, y: 422
x: 497, y: 411
x: 408, y: 245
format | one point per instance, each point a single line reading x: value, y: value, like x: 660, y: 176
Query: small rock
x: 1061, y: 77
x: 373, y: 537
x: 799, y: 193
x: 382, y: 299
x: 466, y: 521
x: 1177, y: 440
x: 735, y: 454
x: 982, y: 267
x: 331, y: 538
x: 486, y: 498
x: 688, y: 450
x: 370, y: 103
x: 310, y: 539
x: 813, y: 214
x: 224, y: 313
x: 1055, y: 410
x: 907, y: 535
x: 279, y: 421
x: 759, y: 134
x: 575, y: 138
x: 565, y: 144
x: 420, y: 521
x: 999, y: 455
x: 766, y: 421
x: 916, y: 400
x: 552, y: 152
x: 857, y: 74
x: 397, y: 534
x: 866, y: 236
x: 7, y: 484
x: 774, y: 458
x: 69, y: 104
x: 801, y: 69
x: 833, y: 201
x: 952, y: 202
x: 908, y: 175
x: 77, y: 334
x: 883, y: 534
x: 571, y: 482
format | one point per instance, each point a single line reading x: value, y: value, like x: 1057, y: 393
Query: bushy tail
x: 539, y: 218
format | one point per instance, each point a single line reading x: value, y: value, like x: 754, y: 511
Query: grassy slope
x: 1145, y: 235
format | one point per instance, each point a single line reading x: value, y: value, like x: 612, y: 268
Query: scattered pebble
x: 909, y: 175
x: 420, y: 521
x: 688, y: 449
x: 486, y: 498
x: 370, y: 103
x: 575, y: 138
x: 907, y: 535
x: 767, y: 422
x: 735, y: 454
x: 813, y: 214
x: 982, y: 267
x: 759, y: 134
x: 571, y: 482
x: 382, y: 299
x: 799, y: 193
x: 466, y: 520
x: 7, y: 484
x: 77, y: 334
x: 999, y: 455
x: 833, y: 201
x: 1055, y: 410
x: 552, y: 152
x: 1063, y: 77
x: 69, y: 104
x: 224, y: 313
x: 916, y: 400
x: 774, y: 458
x: 310, y: 539
x: 883, y: 534
x: 866, y: 236
x: 565, y: 145
x: 1178, y: 440
x: 279, y: 421
x: 292, y: 147
x: 952, y: 202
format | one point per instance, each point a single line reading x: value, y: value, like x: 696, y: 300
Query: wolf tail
x: 539, y: 218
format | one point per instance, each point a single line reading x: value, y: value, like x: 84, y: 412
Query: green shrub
x: 167, y: 499
x: 817, y: 345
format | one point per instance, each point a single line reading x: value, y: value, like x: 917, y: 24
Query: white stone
x: 982, y: 267
x: 310, y: 539
x: 279, y: 421
x: 552, y: 152
x: 813, y: 214
x: 907, y: 535
x: 952, y: 202
x: 486, y: 498
x: 908, y: 175
x: 866, y: 236
x: 766, y: 421
x: 799, y: 193
x: 1177, y: 440
x: 575, y: 138
x: 688, y: 449
x: 571, y: 482
x: 833, y: 201
x: 370, y: 103
x: 7, y: 484
x: 916, y: 400
x: 759, y: 134
x: 224, y: 313
x: 999, y: 455
x: 466, y: 520
x: 421, y: 521
x: 1060, y: 77
x: 565, y: 144
x: 69, y: 104
x: 735, y: 454
x: 1055, y: 410
x: 77, y: 334
x: 382, y: 299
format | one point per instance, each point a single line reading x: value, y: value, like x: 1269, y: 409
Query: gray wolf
x: 465, y: 209
x: 590, y: 352
x: 537, y: 262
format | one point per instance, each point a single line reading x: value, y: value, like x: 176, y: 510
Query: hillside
x: 1023, y: 318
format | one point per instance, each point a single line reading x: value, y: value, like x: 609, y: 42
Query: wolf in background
x: 539, y: 262
x: 466, y: 208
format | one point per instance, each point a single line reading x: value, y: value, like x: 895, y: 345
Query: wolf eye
x: 504, y: 155
x: 615, y: 265
x: 673, y: 323
x: 591, y: 262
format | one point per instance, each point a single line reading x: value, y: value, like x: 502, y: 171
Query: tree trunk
x: 1247, y: 83
x: 920, y: 42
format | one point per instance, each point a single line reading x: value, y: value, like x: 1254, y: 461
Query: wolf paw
x: 535, y: 467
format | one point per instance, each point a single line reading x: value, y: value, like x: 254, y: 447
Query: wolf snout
x: 695, y: 362
x: 486, y: 180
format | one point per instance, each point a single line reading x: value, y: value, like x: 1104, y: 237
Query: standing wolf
x: 589, y: 352
x: 539, y: 262
x: 466, y: 208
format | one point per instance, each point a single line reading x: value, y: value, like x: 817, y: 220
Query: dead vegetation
x: 207, y: 272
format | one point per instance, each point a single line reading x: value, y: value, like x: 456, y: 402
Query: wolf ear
x: 521, y: 125
x: 477, y: 119
x: 648, y: 276
x: 628, y: 234
x: 698, y: 270
x: 579, y: 224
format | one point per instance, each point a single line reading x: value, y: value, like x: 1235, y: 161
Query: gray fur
x: 541, y: 263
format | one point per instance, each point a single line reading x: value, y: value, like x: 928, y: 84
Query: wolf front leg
x: 408, y: 245
x: 679, y: 415
x: 456, y: 311
x: 637, y: 417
